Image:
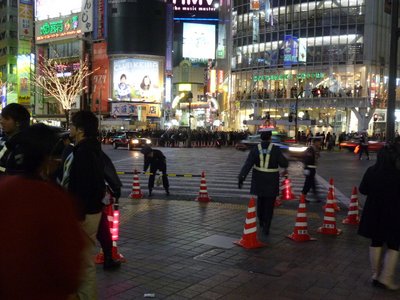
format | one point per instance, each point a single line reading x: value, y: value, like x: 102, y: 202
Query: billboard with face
x: 51, y: 9
x: 198, y: 41
x: 137, y: 79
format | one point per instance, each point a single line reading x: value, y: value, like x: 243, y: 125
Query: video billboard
x: 24, y: 73
x: 137, y: 79
x: 51, y: 9
x: 198, y: 41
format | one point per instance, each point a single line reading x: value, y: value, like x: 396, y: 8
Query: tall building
x: 16, y: 61
x: 327, y: 61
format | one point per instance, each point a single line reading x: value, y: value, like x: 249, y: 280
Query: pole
x: 190, y: 125
x: 295, y: 118
x: 391, y: 107
x: 99, y: 111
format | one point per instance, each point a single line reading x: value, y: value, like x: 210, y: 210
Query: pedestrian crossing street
x: 221, y: 167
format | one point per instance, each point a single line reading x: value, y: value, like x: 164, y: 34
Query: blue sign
x: 290, y: 50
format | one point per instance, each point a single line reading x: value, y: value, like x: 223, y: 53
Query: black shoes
x: 111, y: 264
x: 150, y: 193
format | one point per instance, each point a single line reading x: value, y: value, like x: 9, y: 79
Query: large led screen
x: 198, y: 41
x: 136, y: 80
x: 54, y: 8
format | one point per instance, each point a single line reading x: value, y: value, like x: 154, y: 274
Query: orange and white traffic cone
x: 203, y: 194
x: 286, y: 190
x: 136, y: 191
x: 352, y: 216
x: 113, y: 223
x: 329, y: 224
x: 300, y: 232
x: 249, y: 238
x: 332, y: 189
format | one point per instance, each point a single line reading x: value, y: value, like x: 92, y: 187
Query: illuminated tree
x: 61, y: 81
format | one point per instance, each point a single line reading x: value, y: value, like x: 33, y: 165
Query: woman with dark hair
x: 123, y: 89
x: 146, y: 83
x: 380, y: 220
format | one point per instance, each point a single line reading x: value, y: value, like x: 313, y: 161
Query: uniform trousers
x: 265, y: 211
x: 309, y: 183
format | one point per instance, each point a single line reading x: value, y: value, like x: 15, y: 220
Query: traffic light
x: 290, y: 117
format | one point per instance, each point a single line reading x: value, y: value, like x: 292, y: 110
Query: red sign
x: 100, y: 78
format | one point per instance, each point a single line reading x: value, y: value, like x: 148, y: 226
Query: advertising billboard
x: 47, y: 9
x: 100, y: 77
x: 25, y: 15
x: 134, y: 109
x: 23, y: 83
x: 291, y: 50
x: 198, y: 41
x: 136, y: 79
x: 57, y: 29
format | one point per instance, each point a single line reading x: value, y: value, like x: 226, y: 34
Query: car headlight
x: 297, y: 149
x: 148, y: 141
x: 135, y: 141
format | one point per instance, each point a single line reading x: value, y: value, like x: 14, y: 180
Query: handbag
x: 357, y: 149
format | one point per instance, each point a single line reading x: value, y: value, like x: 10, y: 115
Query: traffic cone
x: 332, y: 189
x: 203, y: 194
x: 352, y: 216
x: 249, y: 238
x: 300, y: 232
x: 136, y: 191
x: 113, y: 223
x: 329, y: 225
x: 286, y: 190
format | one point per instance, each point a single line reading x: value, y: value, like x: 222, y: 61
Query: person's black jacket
x: 111, y: 176
x: 86, y: 177
x: 12, y: 159
x: 156, y: 161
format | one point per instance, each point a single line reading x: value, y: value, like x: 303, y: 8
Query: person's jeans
x: 88, y: 287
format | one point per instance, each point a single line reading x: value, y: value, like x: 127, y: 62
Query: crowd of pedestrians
x: 55, y: 194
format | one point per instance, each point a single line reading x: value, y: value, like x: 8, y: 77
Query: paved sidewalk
x: 184, y: 250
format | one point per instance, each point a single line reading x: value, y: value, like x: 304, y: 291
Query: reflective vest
x: 2, y: 152
x: 265, y: 161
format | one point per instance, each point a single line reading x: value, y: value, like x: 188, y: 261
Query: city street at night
x: 177, y: 248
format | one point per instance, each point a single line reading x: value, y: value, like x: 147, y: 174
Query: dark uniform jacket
x: 310, y: 158
x: 264, y: 183
x: 11, y: 161
x: 156, y: 162
x: 380, y: 218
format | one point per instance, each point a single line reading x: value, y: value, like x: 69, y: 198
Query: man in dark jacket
x: 84, y: 178
x: 14, y: 119
x: 265, y: 159
x: 157, y: 161
x: 310, y: 160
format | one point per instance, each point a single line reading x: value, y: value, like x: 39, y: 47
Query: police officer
x: 14, y: 119
x: 157, y: 161
x: 265, y: 159
x: 310, y: 160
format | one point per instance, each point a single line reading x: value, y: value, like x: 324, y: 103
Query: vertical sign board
x: 25, y: 18
x: 100, y: 78
x: 87, y: 16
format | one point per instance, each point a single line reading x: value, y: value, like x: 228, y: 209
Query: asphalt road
x: 222, y: 167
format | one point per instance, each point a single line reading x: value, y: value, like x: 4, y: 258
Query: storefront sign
x: 195, y: 8
x: 132, y: 109
x: 288, y: 76
x: 100, y: 78
x: 87, y: 16
x: 58, y: 29
x: 25, y: 15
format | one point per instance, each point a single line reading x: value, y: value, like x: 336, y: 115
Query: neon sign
x: 58, y: 28
x: 289, y: 76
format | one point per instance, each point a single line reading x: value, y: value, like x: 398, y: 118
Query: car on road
x: 351, y: 144
x: 130, y: 139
